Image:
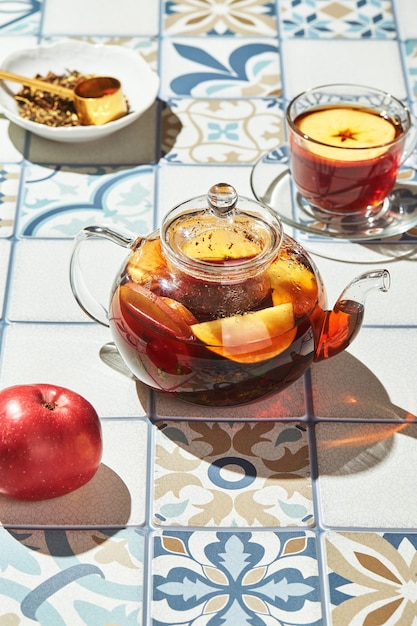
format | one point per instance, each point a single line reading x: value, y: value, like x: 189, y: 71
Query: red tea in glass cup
x: 346, y: 146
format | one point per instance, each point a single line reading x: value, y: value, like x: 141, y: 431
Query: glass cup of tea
x: 347, y: 143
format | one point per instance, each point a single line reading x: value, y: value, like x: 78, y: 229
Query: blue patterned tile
x: 20, y: 17
x: 232, y: 68
x: 353, y: 19
x: 71, y: 577
x: 232, y: 578
x: 60, y: 202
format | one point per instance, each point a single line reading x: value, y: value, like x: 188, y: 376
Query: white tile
x: 115, y: 496
x: 41, y: 290
x: 11, y: 44
x: 69, y: 355
x: 390, y: 354
x: 10, y: 175
x: 406, y: 18
x: 375, y: 63
x: 196, y: 181
x: 12, y: 141
x: 139, y: 17
x: 373, y: 379
x: 367, y: 474
x: 368, y: 253
x: 4, y: 267
x: 380, y: 308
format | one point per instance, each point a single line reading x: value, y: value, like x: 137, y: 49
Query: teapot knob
x: 222, y: 198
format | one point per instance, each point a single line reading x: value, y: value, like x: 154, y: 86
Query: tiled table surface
x: 313, y: 518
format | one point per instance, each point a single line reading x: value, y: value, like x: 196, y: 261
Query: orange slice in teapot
x: 292, y: 281
x: 252, y: 337
x: 147, y: 262
x: 152, y: 311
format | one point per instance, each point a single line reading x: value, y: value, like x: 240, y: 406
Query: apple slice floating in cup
x: 347, y: 128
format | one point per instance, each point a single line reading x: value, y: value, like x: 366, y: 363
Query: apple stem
x: 49, y: 405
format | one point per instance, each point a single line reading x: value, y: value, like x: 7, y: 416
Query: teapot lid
x: 221, y: 232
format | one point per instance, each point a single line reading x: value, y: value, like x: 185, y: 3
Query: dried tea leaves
x: 46, y: 108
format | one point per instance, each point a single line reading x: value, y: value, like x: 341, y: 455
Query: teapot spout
x: 337, y: 329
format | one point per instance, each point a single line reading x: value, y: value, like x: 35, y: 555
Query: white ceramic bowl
x: 139, y: 83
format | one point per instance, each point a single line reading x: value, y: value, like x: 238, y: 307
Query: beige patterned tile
x: 372, y: 578
x: 221, y: 131
x: 252, y: 474
x: 241, y: 17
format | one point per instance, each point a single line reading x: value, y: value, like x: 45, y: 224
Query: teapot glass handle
x: 86, y: 300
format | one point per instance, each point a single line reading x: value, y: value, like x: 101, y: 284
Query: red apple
x: 50, y: 441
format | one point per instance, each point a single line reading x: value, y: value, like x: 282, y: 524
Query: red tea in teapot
x: 206, y: 343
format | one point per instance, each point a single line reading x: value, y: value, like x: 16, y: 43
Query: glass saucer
x: 272, y: 184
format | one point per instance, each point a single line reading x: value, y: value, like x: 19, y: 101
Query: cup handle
x: 410, y: 140
x: 86, y: 300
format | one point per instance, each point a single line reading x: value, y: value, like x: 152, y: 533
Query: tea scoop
x: 97, y: 100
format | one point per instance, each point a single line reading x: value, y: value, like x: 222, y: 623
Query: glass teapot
x: 220, y: 307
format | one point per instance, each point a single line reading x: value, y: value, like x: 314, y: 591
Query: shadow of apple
x: 104, y: 501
